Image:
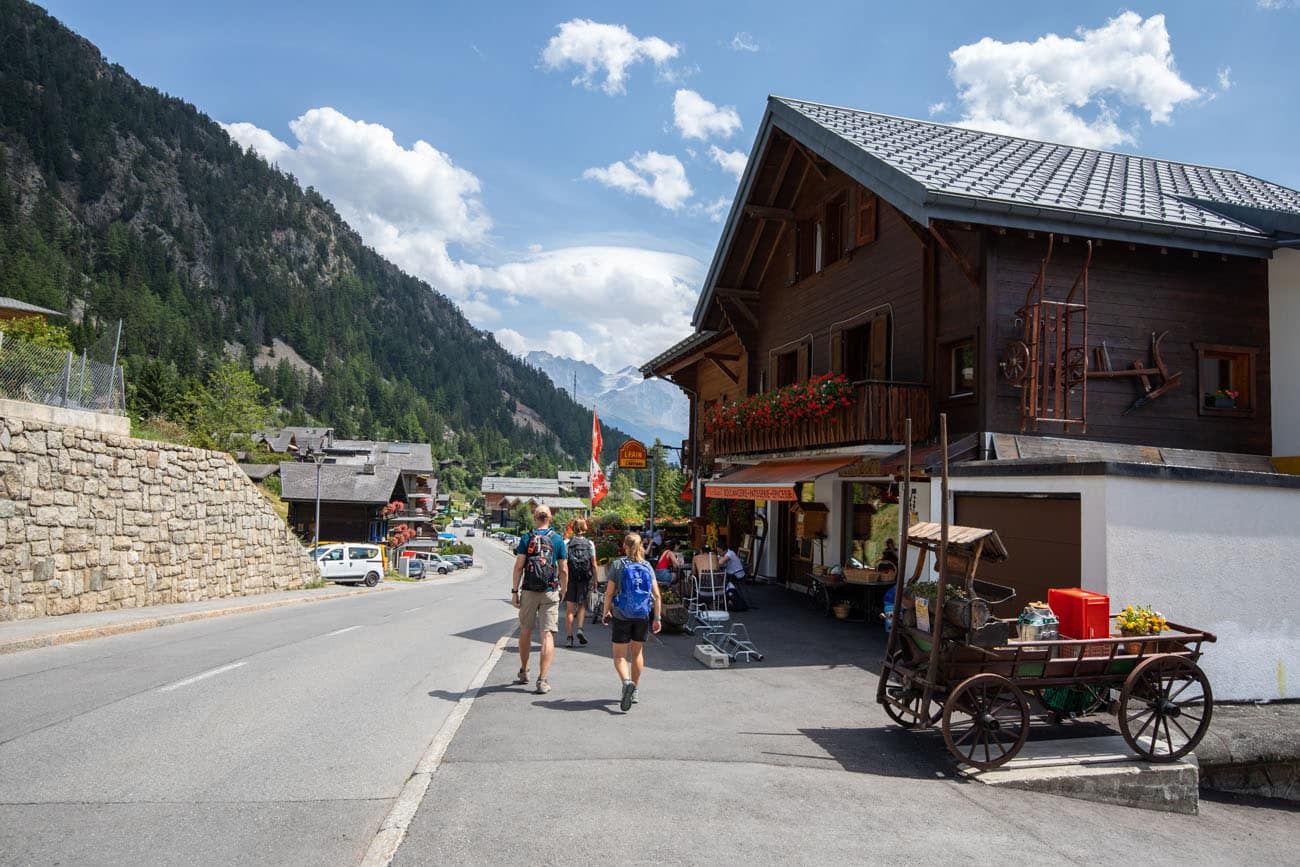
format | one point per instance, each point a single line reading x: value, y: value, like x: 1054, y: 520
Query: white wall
x: 1219, y: 557
x: 1284, y: 350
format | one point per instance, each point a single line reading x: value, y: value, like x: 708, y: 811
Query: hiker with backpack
x: 633, y: 606
x: 538, y: 582
x: 582, y: 575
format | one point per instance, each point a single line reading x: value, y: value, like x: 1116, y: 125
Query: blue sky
x: 575, y: 208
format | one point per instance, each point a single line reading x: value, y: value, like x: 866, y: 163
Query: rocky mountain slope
x: 647, y: 409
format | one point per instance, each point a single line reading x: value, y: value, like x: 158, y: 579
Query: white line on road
x: 343, y: 630
x: 196, y: 678
x: 393, y: 830
x: 416, y: 608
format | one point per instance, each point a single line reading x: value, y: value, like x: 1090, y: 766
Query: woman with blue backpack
x: 632, y: 606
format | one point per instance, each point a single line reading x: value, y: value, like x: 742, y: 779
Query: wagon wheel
x: 1015, y: 362
x: 985, y: 721
x: 1076, y: 366
x: 911, y: 695
x: 1165, y: 707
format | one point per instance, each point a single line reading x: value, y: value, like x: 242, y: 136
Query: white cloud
x: 937, y: 108
x: 1225, y: 78
x: 731, y: 161
x: 616, y: 305
x: 1066, y: 89
x: 698, y: 118
x: 512, y: 341
x: 717, y: 209
x: 660, y: 177
x: 743, y: 41
x: 1276, y: 4
x: 607, y: 49
x: 407, y: 203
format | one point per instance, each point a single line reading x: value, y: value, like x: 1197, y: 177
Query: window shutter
x: 805, y: 362
x: 771, y: 373
x: 865, y: 230
x: 837, y: 350
x: 880, y: 347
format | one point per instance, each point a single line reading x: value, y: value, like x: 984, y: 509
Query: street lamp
x: 319, y: 458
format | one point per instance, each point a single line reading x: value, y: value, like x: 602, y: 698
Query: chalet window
x: 865, y: 349
x: 837, y: 213
x: 1227, y: 379
x: 961, y: 368
x: 865, y: 224
x: 819, y: 246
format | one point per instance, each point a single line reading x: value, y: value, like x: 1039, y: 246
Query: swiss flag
x: 599, y: 484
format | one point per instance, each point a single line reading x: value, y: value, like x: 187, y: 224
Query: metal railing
x: 56, y: 377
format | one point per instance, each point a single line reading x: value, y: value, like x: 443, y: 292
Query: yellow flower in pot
x: 1139, y: 620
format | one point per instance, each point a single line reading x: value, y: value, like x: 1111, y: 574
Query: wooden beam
x: 723, y: 356
x: 912, y: 225
x: 967, y: 269
x: 781, y: 173
x: 727, y: 371
x: 771, y: 251
x: 811, y: 158
x: 759, y: 228
x: 736, y: 292
x: 769, y: 213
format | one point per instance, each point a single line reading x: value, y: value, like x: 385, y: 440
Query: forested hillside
x: 120, y: 202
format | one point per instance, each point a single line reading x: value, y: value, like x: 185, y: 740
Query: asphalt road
x: 277, y: 737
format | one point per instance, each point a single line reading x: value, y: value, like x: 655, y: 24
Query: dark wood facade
x: 948, y: 295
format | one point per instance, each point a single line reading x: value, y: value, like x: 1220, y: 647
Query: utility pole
x: 319, y: 458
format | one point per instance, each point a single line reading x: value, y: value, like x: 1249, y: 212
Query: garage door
x: 1041, y: 534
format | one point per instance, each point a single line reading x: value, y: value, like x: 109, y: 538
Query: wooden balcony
x: 877, y: 416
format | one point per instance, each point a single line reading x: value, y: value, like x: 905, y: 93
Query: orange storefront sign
x: 633, y: 456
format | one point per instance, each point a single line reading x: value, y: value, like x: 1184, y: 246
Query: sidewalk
x: 16, y: 635
x: 788, y: 760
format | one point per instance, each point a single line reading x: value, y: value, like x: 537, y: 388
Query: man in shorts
x: 538, y: 583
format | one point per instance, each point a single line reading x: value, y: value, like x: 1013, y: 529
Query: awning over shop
x: 772, y: 480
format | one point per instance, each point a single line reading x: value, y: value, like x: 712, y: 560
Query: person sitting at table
x: 890, y: 554
x: 733, y: 566
x: 669, y: 562
x: 705, y: 561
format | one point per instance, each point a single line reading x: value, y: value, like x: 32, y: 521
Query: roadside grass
x: 314, y: 584
x: 392, y: 575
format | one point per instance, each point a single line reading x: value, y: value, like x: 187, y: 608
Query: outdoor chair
x: 706, y: 606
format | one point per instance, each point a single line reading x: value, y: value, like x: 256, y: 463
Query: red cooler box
x: 1082, y: 613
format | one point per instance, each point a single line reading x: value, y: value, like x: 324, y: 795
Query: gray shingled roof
x: 339, y: 483
x: 24, y: 307
x: 932, y: 171
x: 260, y: 472
x: 526, y: 487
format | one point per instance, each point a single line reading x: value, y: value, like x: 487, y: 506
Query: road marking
x: 343, y: 630
x: 196, y: 678
x: 393, y: 829
x: 416, y: 608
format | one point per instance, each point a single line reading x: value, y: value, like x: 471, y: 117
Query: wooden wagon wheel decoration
x: 1165, y: 708
x: 1015, y: 362
x: 911, y: 695
x: 985, y: 721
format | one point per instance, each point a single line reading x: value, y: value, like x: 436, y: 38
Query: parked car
x: 458, y: 559
x: 465, y: 559
x: 470, y: 532
x: 433, y: 562
x: 410, y: 567
x: 350, y: 563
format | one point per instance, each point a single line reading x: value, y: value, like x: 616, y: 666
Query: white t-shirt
x: 732, y: 564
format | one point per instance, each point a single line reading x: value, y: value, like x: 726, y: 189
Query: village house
x: 1112, y: 338
x: 12, y: 308
x: 501, y: 494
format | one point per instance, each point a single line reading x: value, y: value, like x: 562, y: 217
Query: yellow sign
x: 633, y: 456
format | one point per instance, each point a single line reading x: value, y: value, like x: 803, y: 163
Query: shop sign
x: 754, y: 492
x: 863, y: 467
x: 633, y: 456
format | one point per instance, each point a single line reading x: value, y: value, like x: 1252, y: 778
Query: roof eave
x: 947, y: 206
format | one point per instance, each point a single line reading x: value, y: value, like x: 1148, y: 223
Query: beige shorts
x: 537, y: 607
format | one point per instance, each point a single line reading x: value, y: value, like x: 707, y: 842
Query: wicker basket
x: 842, y: 610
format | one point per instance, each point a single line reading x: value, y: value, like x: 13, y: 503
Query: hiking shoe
x: 625, y: 703
x: 582, y: 639
x: 522, y: 677
x: 636, y: 694
x: 568, y: 642
x: 543, y: 686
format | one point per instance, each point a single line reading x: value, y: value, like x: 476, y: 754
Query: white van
x: 432, y: 562
x: 351, y: 563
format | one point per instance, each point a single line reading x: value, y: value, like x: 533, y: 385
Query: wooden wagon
x: 968, y: 672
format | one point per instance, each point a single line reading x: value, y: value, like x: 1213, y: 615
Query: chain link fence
x: 42, y: 374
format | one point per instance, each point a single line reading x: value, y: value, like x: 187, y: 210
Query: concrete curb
x: 51, y: 639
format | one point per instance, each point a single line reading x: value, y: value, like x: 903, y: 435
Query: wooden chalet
x: 1061, y: 305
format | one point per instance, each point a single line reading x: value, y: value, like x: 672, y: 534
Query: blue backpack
x: 635, y: 597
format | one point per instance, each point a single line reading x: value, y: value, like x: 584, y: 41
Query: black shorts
x: 622, y: 631
x: 577, y: 592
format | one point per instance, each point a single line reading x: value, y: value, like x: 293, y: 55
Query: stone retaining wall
x: 91, y: 521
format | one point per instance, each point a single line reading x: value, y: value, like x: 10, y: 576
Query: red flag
x: 599, y: 484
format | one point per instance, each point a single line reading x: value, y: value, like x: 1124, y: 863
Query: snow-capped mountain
x: 648, y: 409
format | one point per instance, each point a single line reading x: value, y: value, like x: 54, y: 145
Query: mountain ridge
x: 118, y: 201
